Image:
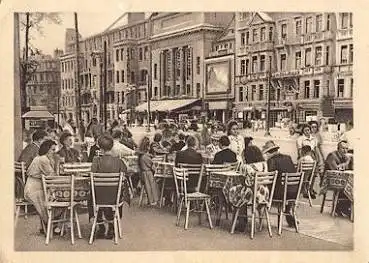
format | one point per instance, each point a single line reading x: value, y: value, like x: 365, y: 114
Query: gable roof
x: 261, y: 15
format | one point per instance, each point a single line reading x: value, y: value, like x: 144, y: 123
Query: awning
x: 166, y: 105
x: 218, y: 105
x: 38, y: 114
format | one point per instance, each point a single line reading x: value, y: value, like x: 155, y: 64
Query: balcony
x: 320, y: 36
x: 343, y: 34
x: 287, y: 74
x: 221, y: 52
x: 243, y: 79
x: 322, y: 69
x: 243, y: 50
x: 261, y: 46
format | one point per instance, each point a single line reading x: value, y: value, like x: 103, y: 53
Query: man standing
x: 119, y: 149
x: 283, y: 164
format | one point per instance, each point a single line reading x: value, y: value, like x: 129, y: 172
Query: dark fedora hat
x: 269, y: 145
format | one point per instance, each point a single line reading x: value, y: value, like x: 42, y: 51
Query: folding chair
x: 309, y: 169
x: 335, y: 182
x: 20, y: 201
x: 180, y: 178
x: 80, y: 169
x: 214, y: 187
x: 110, y: 182
x: 261, y: 179
x: 289, y: 180
x: 131, y: 161
x: 59, y: 194
x: 234, y: 166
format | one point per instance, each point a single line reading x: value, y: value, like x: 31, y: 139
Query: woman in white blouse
x: 237, y: 141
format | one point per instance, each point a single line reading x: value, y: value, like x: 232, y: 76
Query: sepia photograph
x: 168, y: 131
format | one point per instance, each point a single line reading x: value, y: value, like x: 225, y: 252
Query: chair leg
x: 115, y: 220
x: 25, y: 211
x: 72, y: 225
x: 261, y: 218
x: 309, y: 196
x: 78, y: 225
x: 268, y: 222
x: 162, y: 193
x: 352, y: 212
x: 252, y: 224
x: 93, y: 227
x: 63, y: 225
x: 219, y: 211
x: 179, y: 211
x: 48, y: 227
x: 119, y: 224
x: 208, y: 212
x: 323, y: 203
x: 235, y: 217
x: 199, y: 208
x: 17, y: 212
x: 280, y: 221
x: 187, y: 214
x: 335, y: 201
x: 295, y: 217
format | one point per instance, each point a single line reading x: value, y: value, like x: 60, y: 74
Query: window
x: 262, y: 63
x: 253, y: 92
x: 230, y: 46
x: 308, y: 57
x: 350, y: 19
x: 298, y: 23
x: 262, y: 34
x: 307, y: 89
x: 254, y: 63
x: 318, y: 56
x: 309, y: 24
x: 270, y: 33
x: 146, y: 52
x: 316, y: 89
x: 247, y: 67
x: 155, y: 91
x: 283, y: 65
x: 254, y: 35
x: 117, y: 55
x: 242, y: 39
x: 344, y: 20
x: 261, y: 92
x: 155, y: 71
x: 198, y: 65
x: 327, y: 55
x: 117, y: 76
x: 132, y: 77
x: 284, y: 31
x: 328, y: 22
x: 298, y: 60
x: 352, y: 88
x: 122, y: 76
x: 344, y: 55
x: 121, y: 54
x: 319, y: 23
x: 198, y: 90
x: 243, y: 65
x: 351, y: 54
x: 140, y: 55
x: 240, y: 94
x: 341, y: 88
x: 247, y: 37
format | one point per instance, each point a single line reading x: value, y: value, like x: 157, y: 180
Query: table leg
x: 162, y: 193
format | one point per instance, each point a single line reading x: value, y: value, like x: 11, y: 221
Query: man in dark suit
x: 283, y: 164
x: 226, y: 155
x: 189, y: 156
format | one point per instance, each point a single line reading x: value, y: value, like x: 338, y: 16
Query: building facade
x: 43, y: 87
x: 298, y: 53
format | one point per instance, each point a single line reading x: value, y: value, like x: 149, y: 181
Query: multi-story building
x: 219, y: 76
x: 179, y: 44
x: 43, y: 87
x: 297, y: 52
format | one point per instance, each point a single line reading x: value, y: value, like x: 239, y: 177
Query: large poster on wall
x: 218, y: 77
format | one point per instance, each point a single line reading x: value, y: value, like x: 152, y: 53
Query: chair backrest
x: 234, y: 166
x: 194, y: 172
x: 164, y: 169
x: 180, y: 180
x: 309, y: 170
x: 58, y: 189
x: 214, y: 180
x: 335, y: 180
x: 158, y: 158
x: 290, y: 180
x: 20, y: 167
x: 131, y: 161
x: 106, y: 188
x: 74, y: 168
x: 268, y: 180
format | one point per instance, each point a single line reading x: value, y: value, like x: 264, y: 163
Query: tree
x: 32, y: 22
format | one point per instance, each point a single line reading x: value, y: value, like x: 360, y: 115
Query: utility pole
x: 105, y: 86
x: 267, y: 128
x: 78, y: 90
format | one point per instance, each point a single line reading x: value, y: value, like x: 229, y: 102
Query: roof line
x: 116, y: 21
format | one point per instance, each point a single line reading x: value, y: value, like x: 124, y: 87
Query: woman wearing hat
x: 237, y: 142
x: 213, y: 147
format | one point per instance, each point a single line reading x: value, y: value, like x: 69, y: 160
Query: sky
x: 88, y: 24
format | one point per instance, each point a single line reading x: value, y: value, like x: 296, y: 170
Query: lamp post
x: 99, y: 55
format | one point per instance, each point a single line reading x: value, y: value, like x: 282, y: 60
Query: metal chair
x: 289, y: 180
x: 59, y: 194
x: 261, y: 180
x: 112, y: 182
x: 195, y: 173
x: 234, y: 166
x: 335, y: 182
x: 82, y: 169
x: 309, y: 169
x: 214, y: 187
x: 131, y: 161
x: 19, y: 168
x: 180, y: 178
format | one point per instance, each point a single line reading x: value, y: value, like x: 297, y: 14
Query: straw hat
x: 268, y: 146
